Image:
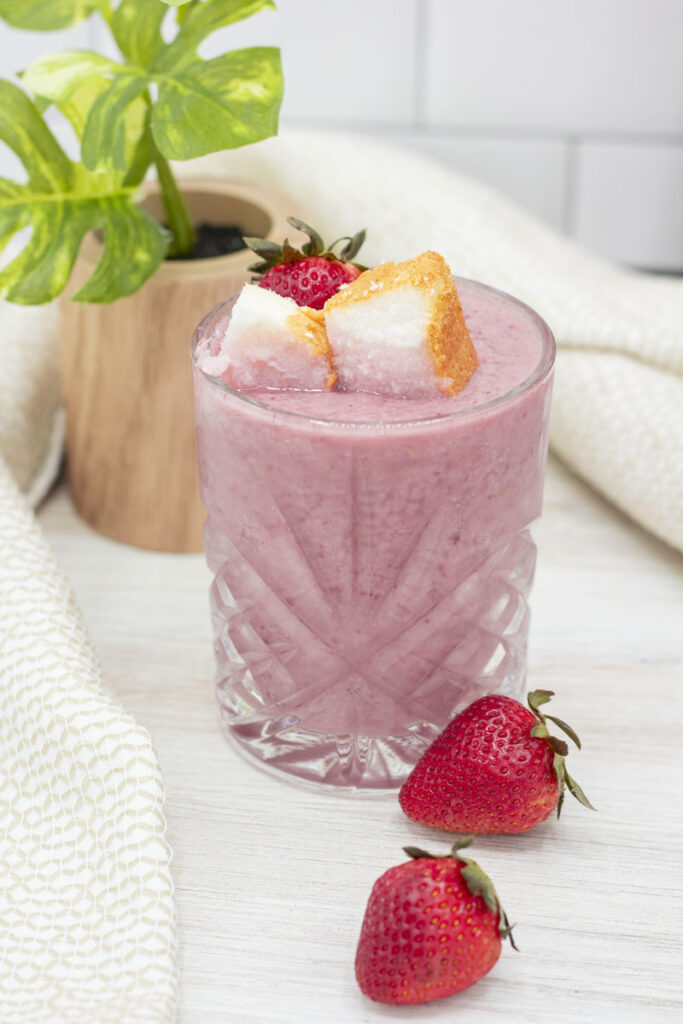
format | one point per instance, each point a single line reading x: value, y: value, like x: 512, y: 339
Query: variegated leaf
x: 46, y: 15
x: 217, y: 104
x: 60, y: 202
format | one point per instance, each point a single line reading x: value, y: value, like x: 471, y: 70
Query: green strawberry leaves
x: 272, y: 255
x: 477, y: 881
x: 315, y: 245
x: 536, y: 699
x: 565, y: 728
x: 353, y: 244
x: 60, y: 202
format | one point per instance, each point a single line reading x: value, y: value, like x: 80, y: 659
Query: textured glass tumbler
x: 371, y: 579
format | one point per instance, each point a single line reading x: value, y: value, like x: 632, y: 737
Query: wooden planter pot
x: 127, y: 382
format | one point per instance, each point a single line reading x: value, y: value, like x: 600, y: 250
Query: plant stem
x: 177, y: 216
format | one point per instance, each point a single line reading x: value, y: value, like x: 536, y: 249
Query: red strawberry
x: 309, y: 282
x: 310, y: 275
x: 432, y: 927
x: 495, y: 768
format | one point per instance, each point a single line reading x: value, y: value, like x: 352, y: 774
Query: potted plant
x: 102, y: 233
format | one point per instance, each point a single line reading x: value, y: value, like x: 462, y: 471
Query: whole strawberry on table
x: 310, y: 275
x: 495, y: 768
x: 432, y: 927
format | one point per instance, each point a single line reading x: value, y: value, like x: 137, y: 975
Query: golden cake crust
x: 309, y: 327
x: 449, y: 341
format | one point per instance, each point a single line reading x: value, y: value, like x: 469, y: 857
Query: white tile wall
x: 630, y: 202
x: 343, y: 60
x: 18, y: 49
x: 531, y: 171
x: 596, y: 65
x: 575, y: 110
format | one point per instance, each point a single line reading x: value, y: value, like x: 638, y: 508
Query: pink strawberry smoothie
x: 372, y: 554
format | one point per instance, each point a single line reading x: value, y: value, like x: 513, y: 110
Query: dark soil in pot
x: 215, y: 240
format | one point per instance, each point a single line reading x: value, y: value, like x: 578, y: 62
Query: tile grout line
x: 501, y: 133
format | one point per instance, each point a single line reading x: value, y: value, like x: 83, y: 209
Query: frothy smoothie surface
x: 506, y: 336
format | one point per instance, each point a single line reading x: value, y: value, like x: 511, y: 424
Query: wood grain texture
x: 127, y: 381
x: 272, y: 879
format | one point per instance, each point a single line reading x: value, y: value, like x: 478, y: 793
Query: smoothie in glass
x: 372, y: 554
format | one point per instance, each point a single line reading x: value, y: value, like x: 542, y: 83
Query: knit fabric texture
x: 87, y: 914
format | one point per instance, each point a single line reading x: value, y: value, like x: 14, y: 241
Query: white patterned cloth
x: 87, y: 915
x: 87, y: 923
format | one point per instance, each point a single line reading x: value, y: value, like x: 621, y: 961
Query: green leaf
x: 75, y: 87
x: 479, y: 883
x: 505, y: 929
x: 315, y: 244
x: 223, y: 103
x: 203, y: 20
x: 61, y: 202
x: 350, y: 250
x: 289, y: 253
x: 57, y: 76
x: 263, y: 246
x: 538, y: 697
x: 417, y: 854
x: 134, y: 246
x: 576, y: 791
x: 103, y: 146
x: 139, y: 144
x: 182, y: 11
x: 136, y: 26
x: 107, y: 115
x: 540, y: 729
x: 559, y: 769
x: 24, y: 131
x: 202, y: 106
x: 459, y: 844
x: 47, y: 15
x: 176, y: 3
x: 78, y: 105
x: 565, y: 728
x: 558, y: 745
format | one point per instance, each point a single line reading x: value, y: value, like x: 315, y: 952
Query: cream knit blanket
x: 87, y: 916
x: 86, y: 907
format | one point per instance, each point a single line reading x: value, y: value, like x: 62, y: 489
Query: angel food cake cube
x: 271, y: 342
x: 399, y: 329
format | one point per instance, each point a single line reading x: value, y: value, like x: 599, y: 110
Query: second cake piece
x: 399, y: 329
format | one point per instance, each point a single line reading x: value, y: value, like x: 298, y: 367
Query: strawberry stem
x: 477, y: 881
x: 272, y: 254
x: 535, y: 699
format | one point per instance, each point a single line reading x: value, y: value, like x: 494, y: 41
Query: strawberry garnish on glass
x: 309, y: 275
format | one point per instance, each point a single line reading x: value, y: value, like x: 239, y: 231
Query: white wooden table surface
x: 272, y: 879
